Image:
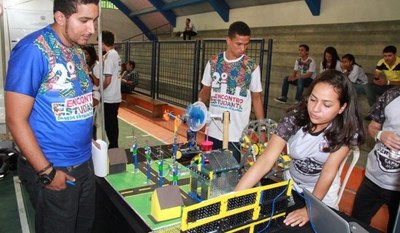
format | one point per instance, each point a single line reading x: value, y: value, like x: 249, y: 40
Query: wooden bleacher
x: 145, y: 104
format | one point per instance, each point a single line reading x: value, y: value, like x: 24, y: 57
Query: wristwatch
x: 46, y: 179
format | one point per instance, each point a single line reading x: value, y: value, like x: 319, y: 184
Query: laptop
x: 325, y: 220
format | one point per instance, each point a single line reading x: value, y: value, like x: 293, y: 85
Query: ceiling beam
x: 180, y: 3
x: 146, y: 31
x: 168, y: 14
x: 221, y: 8
x: 315, y: 6
x: 166, y: 6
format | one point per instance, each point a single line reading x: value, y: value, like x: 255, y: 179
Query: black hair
x: 132, y: 63
x: 305, y: 46
x: 335, y: 57
x: 351, y: 58
x: 68, y: 7
x: 347, y: 128
x: 240, y: 28
x: 92, y: 53
x: 108, y: 38
x: 390, y: 49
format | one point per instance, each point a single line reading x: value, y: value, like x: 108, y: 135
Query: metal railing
x: 171, y: 70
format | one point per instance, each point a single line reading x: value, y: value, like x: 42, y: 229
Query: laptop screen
x: 322, y: 218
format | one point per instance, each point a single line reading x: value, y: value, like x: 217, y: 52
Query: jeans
x: 360, y: 88
x: 300, y: 85
x: 370, y: 197
x: 232, y: 146
x: 71, y: 210
x: 111, y: 123
x: 372, y: 90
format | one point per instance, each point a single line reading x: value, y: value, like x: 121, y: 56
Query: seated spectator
x: 387, y: 74
x: 302, y: 76
x: 354, y: 72
x: 190, y: 30
x: 330, y: 60
x: 130, y: 79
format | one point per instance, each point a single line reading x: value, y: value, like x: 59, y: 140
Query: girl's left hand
x: 298, y: 217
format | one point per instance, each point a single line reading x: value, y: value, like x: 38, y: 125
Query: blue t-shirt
x: 55, y: 75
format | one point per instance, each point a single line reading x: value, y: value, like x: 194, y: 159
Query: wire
x: 273, y: 209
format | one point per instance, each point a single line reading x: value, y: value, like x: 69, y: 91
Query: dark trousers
x: 372, y: 90
x: 299, y: 83
x: 189, y: 34
x: 232, y: 146
x: 70, y: 210
x: 111, y: 123
x: 370, y: 197
x: 127, y: 89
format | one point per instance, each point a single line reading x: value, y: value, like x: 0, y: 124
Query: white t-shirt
x: 308, y: 157
x: 112, y: 66
x: 232, y: 82
x: 357, y: 75
x: 307, y: 163
x: 337, y: 67
x: 305, y: 66
x: 96, y: 73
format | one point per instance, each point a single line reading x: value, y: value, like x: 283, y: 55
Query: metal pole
x: 101, y: 78
x: 267, y: 76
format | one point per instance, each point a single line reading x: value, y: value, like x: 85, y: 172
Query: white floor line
x: 21, y: 207
x: 148, y: 134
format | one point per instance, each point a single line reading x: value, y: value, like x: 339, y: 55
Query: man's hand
x: 59, y: 181
x: 379, y: 82
x: 292, y: 78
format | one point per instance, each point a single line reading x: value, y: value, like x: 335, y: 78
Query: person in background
x: 123, y: 70
x: 190, y: 30
x: 354, y: 73
x: 381, y: 184
x: 131, y: 78
x: 386, y: 76
x: 94, y: 74
x: 231, y: 82
x: 330, y: 60
x: 319, y: 133
x: 49, y: 112
x: 302, y: 76
x: 112, y: 88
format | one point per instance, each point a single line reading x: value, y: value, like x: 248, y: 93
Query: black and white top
x: 308, y: 154
x: 383, y: 165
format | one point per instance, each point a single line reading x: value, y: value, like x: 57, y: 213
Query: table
x: 115, y: 214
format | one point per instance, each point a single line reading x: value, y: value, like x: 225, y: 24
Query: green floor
x: 9, y: 213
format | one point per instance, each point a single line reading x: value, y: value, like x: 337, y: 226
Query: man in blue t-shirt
x: 49, y: 112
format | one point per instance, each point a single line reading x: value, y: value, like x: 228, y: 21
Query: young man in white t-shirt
x: 302, y: 76
x: 112, y: 88
x: 231, y: 82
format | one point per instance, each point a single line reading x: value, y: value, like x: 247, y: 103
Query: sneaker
x: 280, y: 100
